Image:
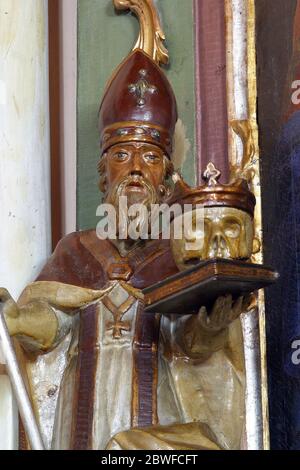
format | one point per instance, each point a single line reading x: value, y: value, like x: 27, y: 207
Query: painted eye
x: 120, y: 156
x: 152, y: 158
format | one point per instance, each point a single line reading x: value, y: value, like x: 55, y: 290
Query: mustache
x: 136, y: 180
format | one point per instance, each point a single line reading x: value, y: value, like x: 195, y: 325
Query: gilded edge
x: 249, y: 167
x: 257, y: 258
x: 151, y: 37
x: 135, y: 374
x: 155, y: 419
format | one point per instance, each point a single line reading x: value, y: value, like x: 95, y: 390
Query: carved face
x: 225, y: 233
x: 135, y: 170
x: 138, y: 171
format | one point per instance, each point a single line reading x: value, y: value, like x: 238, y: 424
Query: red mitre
x: 138, y: 105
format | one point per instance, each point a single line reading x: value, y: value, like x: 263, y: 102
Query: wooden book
x: 188, y: 290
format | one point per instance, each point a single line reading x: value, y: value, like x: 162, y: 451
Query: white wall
x: 68, y: 53
x: 25, y: 235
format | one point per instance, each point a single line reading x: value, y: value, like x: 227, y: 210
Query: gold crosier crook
x: 151, y: 35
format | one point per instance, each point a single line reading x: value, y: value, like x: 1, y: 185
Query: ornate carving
x: 151, y: 35
x: 245, y: 168
x: 211, y: 174
x: 141, y: 88
x: 213, y: 194
x: 117, y: 325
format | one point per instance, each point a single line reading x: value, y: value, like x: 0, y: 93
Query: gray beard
x: 140, y: 221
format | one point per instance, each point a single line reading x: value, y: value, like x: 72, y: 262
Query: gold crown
x: 214, y: 194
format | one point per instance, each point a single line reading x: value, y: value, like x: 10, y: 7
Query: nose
x: 136, y: 167
x: 218, y: 246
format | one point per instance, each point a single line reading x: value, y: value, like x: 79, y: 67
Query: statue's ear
x: 102, y: 184
x: 102, y: 171
x: 256, y: 245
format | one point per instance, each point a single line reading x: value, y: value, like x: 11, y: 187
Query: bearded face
x: 136, y: 189
x: 136, y: 171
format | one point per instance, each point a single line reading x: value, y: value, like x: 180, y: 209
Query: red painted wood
x: 211, y: 94
x: 55, y: 118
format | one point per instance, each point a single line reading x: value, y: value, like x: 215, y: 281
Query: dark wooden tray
x: 188, y: 290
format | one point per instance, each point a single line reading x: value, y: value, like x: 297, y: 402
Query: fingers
x: 249, y: 302
x: 242, y: 304
x: 224, y: 312
x: 224, y: 318
x: 221, y: 311
x: 218, y: 307
x: 237, y: 308
x: 217, y: 313
x: 203, y: 317
x: 11, y: 309
x: 4, y: 295
x: 218, y: 318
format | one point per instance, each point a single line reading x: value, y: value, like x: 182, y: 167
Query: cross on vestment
x: 117, y: 325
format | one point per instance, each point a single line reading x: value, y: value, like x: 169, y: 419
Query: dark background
x: 280, y: 178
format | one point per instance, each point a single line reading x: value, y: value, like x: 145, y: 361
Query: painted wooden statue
x: 102, y: 373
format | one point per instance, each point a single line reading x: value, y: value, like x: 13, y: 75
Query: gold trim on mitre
x: 151, y: 36
x: 136, y: 131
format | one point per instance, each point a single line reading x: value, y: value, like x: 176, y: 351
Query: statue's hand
x: 224, y: 311
x: 10, y: 310
x: 36, y: 321
x: 207, y: 333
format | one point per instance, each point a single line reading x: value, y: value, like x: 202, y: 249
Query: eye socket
x: 152, y: 158
x: 232, y: 229
x: 120, y: 156
x: 198, y: 230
